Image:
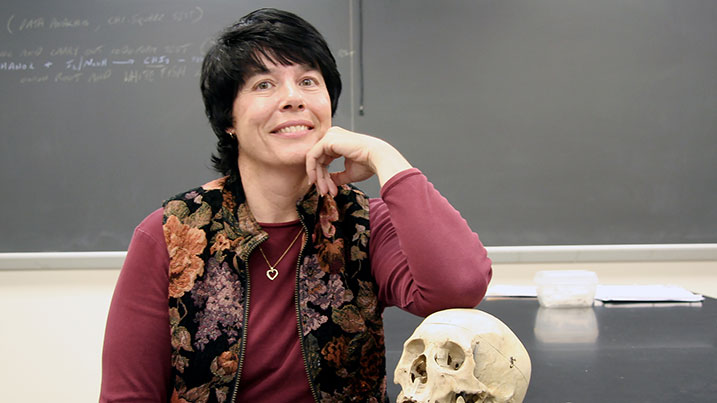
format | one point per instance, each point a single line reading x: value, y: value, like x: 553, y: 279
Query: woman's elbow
x: 471, y: 284
x: 461, y: 292
x: 469, y: 292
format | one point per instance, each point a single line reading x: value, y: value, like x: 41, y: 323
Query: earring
x: 231, y: 133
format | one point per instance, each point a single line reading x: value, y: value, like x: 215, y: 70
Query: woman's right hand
x: 364, y: 156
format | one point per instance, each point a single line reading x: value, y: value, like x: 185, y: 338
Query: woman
x: 278, y: 273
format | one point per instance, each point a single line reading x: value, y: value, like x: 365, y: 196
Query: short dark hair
x: 280, y: 36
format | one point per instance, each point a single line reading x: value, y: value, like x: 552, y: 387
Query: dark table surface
x: 607, y: 353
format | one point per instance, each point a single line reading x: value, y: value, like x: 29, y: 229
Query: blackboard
x: 101, y: 113
x: 543, y: 122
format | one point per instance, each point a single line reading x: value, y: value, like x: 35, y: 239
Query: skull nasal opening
x: 418, y: 370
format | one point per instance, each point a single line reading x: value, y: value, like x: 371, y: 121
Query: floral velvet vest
x: 210, y: 234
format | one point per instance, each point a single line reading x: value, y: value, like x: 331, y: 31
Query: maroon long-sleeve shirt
x: 423, y: 255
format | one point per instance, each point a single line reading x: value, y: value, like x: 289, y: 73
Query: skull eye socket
x: 415, y: 346
x: 450, y: 356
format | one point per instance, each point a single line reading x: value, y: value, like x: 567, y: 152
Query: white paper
x: 656, y: 292
x: 609, y: 293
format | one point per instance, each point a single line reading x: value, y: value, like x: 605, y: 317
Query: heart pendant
x: 272, y: 273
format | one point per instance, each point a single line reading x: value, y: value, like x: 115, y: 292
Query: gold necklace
x: 272, y: 272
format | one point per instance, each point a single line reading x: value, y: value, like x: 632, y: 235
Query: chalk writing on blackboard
x: 48, y: 62
x: 127, y: 63
x: 15, y: 25
x: 19, y: 24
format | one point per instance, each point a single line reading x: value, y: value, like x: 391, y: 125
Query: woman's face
x: 279, y: 115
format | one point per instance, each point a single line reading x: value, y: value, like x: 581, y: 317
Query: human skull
x: 462, y: 355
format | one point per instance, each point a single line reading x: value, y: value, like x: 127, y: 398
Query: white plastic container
x: 566, y: 288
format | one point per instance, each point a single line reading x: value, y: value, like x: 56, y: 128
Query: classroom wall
x: 53, y: 319
x: 52, y: 330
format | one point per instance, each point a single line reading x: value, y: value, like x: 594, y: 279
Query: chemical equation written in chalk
x: 131, y: 64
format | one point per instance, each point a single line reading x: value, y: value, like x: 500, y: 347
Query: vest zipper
x: 298, y: 314
x: 242, y: 352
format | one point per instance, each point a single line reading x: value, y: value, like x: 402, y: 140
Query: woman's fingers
x: 318, y: 160
x: 331, y: 187
x: 317, y: 169
x: 359, y: 152
x: 340, y: 178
